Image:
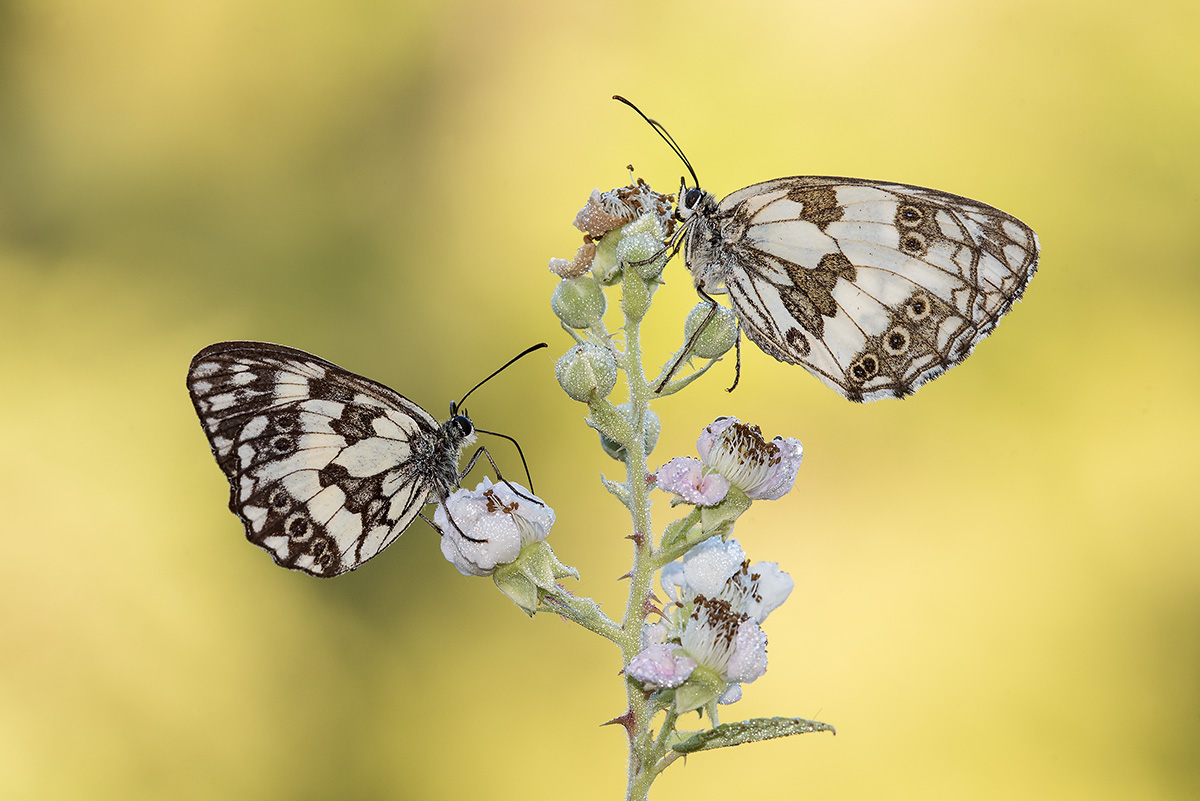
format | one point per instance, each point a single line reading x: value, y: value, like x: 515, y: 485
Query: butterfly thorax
x: 707, y: 250
x: 436, y: 453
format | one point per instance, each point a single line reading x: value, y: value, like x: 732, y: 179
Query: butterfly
x: 326, y: 468
x: 873, y: 287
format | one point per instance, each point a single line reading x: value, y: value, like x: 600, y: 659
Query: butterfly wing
x: 873, y: 287
x: 319, y: 460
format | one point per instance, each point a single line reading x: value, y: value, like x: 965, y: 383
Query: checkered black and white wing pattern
x: 874, y: 287
x: 326, y: 468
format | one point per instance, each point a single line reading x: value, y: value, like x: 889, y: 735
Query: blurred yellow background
x: 998, y: 581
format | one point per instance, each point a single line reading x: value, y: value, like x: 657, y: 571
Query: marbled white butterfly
x: 326, y: 468
x: 874, y: 287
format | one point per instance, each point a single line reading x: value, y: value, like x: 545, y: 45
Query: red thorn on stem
x: 626, y: 721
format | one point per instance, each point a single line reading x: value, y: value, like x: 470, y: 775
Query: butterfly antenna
x: 520, y: 453
x: 657, y: 126
x: 507, y: 364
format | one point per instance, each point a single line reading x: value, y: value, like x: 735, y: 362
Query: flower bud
x: 653, y: 428
x: 606, y: 267
x: 641, y: 248
x: 718, y: 336
x: 587, y: 371
x: 579, y: 302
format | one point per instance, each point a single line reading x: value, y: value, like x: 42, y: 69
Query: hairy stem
x: 641, y: 748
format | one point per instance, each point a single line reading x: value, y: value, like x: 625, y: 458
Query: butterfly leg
x: 671, y: 244
x: 499, y: 476
x: 737, y: 365
x: 449, y: 517
x: 691, y: 343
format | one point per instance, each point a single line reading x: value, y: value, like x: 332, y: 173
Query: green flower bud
x: 653, y: 428
x: 587, y: 371
x: 641, y: 247
x: 718, y: 336
x: 579, y: 302
x: 635, y: 296
x: 606, y: 266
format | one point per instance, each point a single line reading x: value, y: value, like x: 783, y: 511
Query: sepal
x: 532, y: 577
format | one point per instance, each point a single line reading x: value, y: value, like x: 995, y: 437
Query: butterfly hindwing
x: 874, y: 287
x: 326, y: 468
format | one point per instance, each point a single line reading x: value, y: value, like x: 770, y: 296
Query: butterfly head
x: 693, y: 200
x: 459, y: 427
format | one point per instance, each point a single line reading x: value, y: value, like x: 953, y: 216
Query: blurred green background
x: 998, y: 581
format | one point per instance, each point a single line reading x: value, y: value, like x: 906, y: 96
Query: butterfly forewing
x: 326, y: 468
x: 874, y: 287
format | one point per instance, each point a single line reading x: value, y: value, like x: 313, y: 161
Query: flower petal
x: 708, y: 566
x: 749, y: 658
x: 661, y: 666
x: 685, y: 476
x: 772, y: 589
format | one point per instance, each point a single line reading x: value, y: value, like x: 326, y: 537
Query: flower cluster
x: 710, y: 639
x: 733, y: 454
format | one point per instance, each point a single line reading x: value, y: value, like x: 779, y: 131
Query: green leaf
x: 749, y: 731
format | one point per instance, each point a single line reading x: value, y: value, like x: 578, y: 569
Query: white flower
x: 488, y: 526
x: 719, y: 569
x: 763, y: 470
x: 719, y: 603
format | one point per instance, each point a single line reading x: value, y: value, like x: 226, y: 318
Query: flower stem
x: 641, y: 748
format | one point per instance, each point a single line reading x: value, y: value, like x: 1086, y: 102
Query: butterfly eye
x: 692, y: 198
x: 462, y: 425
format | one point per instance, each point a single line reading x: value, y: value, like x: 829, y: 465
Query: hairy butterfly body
x: 873, y: 287
x: 326, y: 468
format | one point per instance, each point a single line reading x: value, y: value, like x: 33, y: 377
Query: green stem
x: 641, y: 750
x: 586, y: 613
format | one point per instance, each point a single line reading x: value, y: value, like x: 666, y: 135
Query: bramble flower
x: 491, y: 524
x: 765, y: 471
x: 717, y: 569
x: 711, y: 641
x: 733, y: 453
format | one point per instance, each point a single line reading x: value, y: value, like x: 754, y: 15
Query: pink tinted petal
x: 710, y: 434
x: 684, y: 476
x: 662, y: 666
